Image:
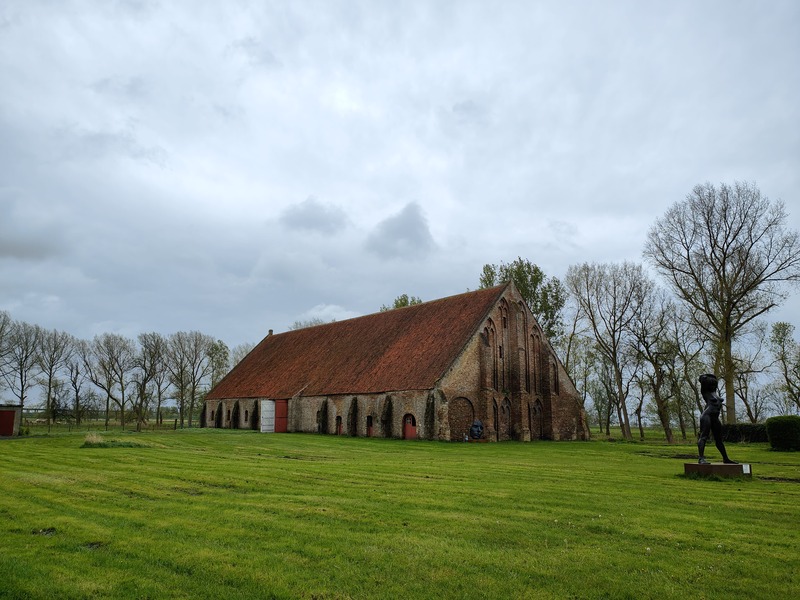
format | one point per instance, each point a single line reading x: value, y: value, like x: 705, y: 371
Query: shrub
x: 784, y: 432
x: 744, y: 432
x: 92, y: 440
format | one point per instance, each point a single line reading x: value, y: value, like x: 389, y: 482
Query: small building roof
x: 407, y: 348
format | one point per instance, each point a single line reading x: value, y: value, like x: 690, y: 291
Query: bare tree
x: 312, y: 322
x: 189, y: 365
x: 148, y: 362
x: 77, y: 377
x: 657, y: 351
x: 158, y: 346
x: 178, y: 367
x: 200, y: 348
x: 752, y: 362
x: 109, y: 364
x: 20, y: 359
x: 240, y: 351
x: 55, y: 351
x: 5, y: 334
x: 610, y: 297
x: 724, y: 251
x: 787, y: 357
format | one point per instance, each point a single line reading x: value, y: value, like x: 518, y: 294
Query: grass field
x: 237, y: 514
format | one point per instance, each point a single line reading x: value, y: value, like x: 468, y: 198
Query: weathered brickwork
x: 506, y: 375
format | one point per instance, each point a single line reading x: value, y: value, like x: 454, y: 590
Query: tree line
x: 133, y: 377
x: 636, y: 348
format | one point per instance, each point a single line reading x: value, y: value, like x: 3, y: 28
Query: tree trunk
x: 639, y: 422
x: 77, y: 408
x: 730, y: 395
x: 663, y: 416
x: 681, y: 421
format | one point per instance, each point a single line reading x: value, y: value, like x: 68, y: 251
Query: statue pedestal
x: 718, y: 469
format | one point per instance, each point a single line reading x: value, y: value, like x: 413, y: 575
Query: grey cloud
x: 101, y: 144
x: 134, y: 88
x: 256, y: 52
x: 468, y: 111
x: 27, y: 232
x: 405, y: 234
x: 313, y: 215
x: 25, y: 249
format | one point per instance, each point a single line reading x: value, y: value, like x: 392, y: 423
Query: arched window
x: 491, y: 339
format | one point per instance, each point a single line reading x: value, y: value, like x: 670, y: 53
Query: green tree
x: 724, y: 252
x: 544, y: 295
x: 401, y: 302
x: 220, y: 356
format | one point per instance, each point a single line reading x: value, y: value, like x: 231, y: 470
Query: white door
x: 268, y: 416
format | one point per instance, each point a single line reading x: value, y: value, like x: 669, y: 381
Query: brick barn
x: 422, y: 372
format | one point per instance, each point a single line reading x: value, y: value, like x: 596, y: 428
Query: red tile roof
x: 403, y: 349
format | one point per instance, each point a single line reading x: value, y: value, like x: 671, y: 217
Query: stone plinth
x: 718, y: 469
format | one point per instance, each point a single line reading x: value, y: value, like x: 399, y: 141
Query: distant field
x: 238, y: 514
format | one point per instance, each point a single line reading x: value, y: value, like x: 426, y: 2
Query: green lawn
x: 238, y: 514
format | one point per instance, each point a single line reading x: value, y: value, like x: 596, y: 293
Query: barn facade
x: 426, y: 371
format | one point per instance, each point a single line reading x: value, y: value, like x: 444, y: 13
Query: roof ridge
x: 387, y: 350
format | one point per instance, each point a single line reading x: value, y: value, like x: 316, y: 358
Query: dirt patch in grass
x: 781, y: 479
x: 48, y: 531
x: 94, y: 545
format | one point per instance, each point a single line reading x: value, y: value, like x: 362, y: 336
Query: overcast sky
x: 232, y: 167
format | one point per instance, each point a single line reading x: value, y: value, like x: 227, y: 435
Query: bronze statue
x: 476, y: 431
x: 709, y: 420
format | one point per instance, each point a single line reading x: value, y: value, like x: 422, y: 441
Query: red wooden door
x: 281, y: 416
x: 409, y: 427
x: 7, y: 422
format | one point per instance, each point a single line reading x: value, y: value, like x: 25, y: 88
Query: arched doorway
x: 218, y: 416
x: 234, y: 424
x: 369, y: 426
x: 338, y: 425
x: 409, y: 427
x: 461, y: 415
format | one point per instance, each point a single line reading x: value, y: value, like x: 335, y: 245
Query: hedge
x: 784, y: 432
x: 744, y: 432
